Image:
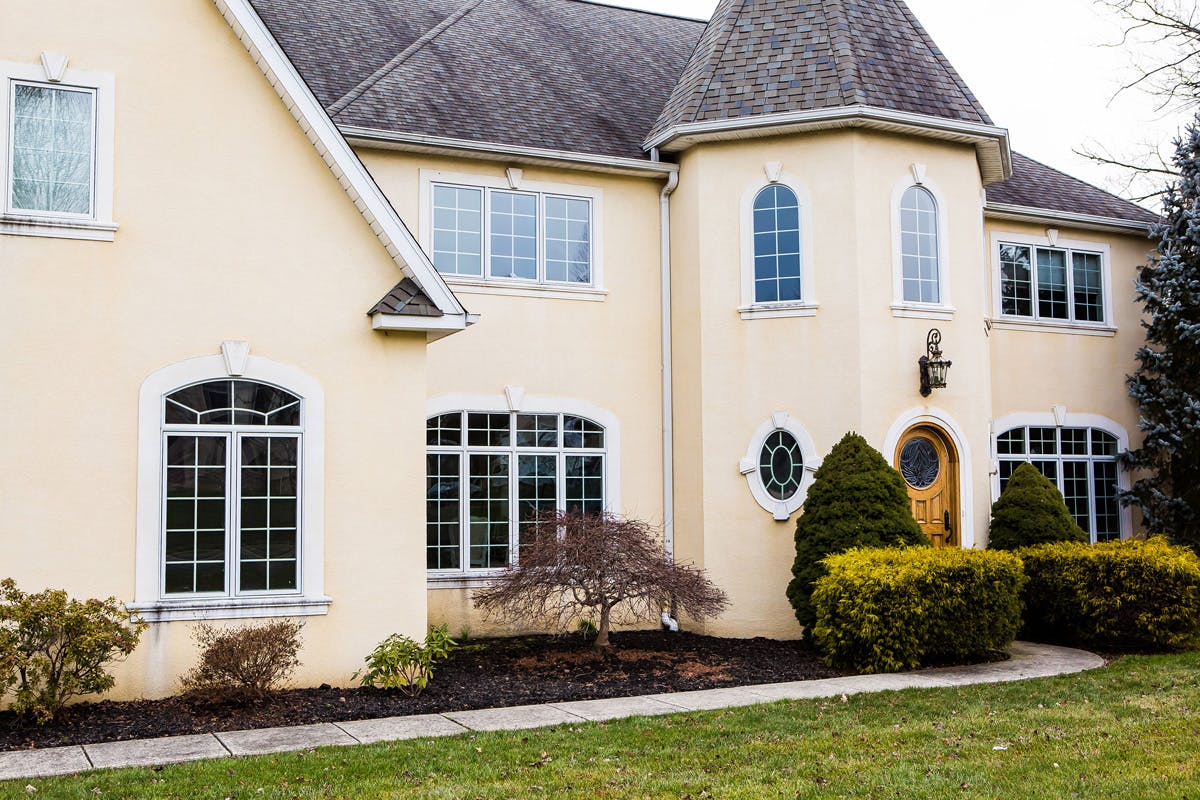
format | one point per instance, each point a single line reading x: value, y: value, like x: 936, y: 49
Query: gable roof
x: 345, y: 165
x: 761, y: 57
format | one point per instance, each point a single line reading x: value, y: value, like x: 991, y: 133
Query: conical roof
x: 759, y: 57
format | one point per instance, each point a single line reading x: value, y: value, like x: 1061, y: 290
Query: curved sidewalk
x: 1028, y: 661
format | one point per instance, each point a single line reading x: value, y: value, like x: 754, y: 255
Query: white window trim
x: 149, y: 602
x: 906, y: 308
x: 517, y: 287
x: 1060, y: 418
x: 807, y: 305
x: 782, y: 510
x: 1001, y: 322
x: 99, y: 225
x: 512, y: 400
x: 944, y: 422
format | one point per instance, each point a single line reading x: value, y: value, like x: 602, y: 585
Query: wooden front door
x: 929, y: 464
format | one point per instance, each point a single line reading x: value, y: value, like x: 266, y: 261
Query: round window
x: 919, y: 463
x: 781, y: 465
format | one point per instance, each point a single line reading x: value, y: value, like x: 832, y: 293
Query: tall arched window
x: 777, y: 245
x: 919, y: 246
x: 231, y: 489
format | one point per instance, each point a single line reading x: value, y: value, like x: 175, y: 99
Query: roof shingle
x: 1035, y: 185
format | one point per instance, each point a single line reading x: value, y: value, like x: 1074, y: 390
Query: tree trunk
x: 602, y: 628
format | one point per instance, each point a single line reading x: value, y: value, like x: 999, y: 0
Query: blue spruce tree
x: 1166, y: 384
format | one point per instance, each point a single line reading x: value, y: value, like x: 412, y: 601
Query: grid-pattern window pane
x: 269, y: 483
x: 1075, y: 441
x: 53, y: 147
x: 488, y: 482
x: 776, y: 245
x: 445, y: 430
x: 512, y: 222
x: 232, y: 402
x: 1076, y: 492
x: 537, y: 430
x: 443, y: 494
x: 1052, y: 284
x: 1089, y: 287
x: 488, y: 430
x: 919, y: 246
x: 584, y: 485
x: 580, y: 432
x: 1016, y: 281
x: 195, y: 514
x: 1043, y: 441
x: 1108, y: 513
x: 458, y: 230
x: 537, y: 490
x: 568, y: 240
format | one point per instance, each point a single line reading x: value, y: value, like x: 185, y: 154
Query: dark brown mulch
x: 484, y: 673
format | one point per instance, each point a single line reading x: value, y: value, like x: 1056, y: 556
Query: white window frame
x: 150, y: 601
x: 943, y: 310
x: 97, y: 226
x: 1060, y: 418
x: 520, y: 287
x: 808, y: 304
x: 1051, y: 241
x: 514, y: 400
x: 782, y: 510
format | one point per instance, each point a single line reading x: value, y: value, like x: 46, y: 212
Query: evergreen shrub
x: 1031, y: 511
x: 856, y: 500
x: 893, y: 609
x: 1131, y: 595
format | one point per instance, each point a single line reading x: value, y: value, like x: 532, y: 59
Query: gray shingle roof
x: 767, y: 56
x: 1036, y: 185
x: 406, y: 299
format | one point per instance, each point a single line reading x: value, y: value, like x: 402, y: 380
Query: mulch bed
x: 483, y: 673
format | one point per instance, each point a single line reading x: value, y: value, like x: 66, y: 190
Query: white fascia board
x: 337, y: 153
x: 1042, y: 216
x: 435, y: 327
x: 421, y: 143
x: 990, y: 139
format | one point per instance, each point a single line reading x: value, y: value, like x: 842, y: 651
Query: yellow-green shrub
x: 887, y: 609
x: 1142, y: 595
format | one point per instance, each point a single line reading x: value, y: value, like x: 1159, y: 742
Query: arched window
x: 489, y: 474
x: 231, y: 489
x: 776, y: 230
x: 1081, y: 462
x: 919, y: 246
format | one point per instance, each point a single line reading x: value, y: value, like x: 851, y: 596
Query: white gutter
x: 668, y: 402
x: 418, y: 142
x: 1054, y: 217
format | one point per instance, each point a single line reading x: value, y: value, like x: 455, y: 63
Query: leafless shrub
x: 614, y: 570
x: 244, y: 664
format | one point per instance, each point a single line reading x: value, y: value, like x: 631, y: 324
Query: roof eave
x: 1048, y: 216
x: 434, y: 327
x: 991, y: 142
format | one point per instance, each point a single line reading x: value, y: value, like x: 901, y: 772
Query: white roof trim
x: 1007, y: 211
x: 332, y: 147
x: 435, y: 327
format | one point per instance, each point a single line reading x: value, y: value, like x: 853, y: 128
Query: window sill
x: 57, y: 227
x: 919, y: 311
x: 231, y: 608
x: 1042, y: 326
x: 542, y: 290
x: 778, y: 310
x: 461, y: 580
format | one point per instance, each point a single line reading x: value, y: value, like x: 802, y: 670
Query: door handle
x: 946, y: 523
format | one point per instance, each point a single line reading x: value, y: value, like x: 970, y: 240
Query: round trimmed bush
x: 1131, y: 595
x: 856, y: 500
x: 1031, y: 511
x: 893, y: 609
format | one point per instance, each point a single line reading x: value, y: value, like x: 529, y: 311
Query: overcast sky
x: 1041, y: 69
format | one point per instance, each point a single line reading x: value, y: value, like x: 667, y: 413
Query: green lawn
x: 1130, y: 730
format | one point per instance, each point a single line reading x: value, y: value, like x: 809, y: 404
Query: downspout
x: 668, y: 411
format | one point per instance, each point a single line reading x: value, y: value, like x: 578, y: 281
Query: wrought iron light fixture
x: 933, y: 366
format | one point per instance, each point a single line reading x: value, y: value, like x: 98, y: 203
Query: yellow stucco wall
x: 232, y: 227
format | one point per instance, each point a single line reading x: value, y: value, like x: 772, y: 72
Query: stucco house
x: 309, y: 305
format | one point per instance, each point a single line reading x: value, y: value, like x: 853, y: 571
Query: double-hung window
x: 527, y: 235
x: 1052, y: 284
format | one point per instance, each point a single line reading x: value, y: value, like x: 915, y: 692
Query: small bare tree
x: 573, y: 565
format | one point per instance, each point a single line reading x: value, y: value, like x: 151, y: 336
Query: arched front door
x: 928, y: 461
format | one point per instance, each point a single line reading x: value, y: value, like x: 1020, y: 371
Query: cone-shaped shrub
x: 1031, y: 511
x: 856, y: 500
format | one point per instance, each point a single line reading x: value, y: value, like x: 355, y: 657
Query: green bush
x: 398, y: 662
x: 856, y: 500
x: 53, y: 648
x: 245, y: 663
x: 1132, y: 595
x: 892, y: 609
x: 1031, y: 511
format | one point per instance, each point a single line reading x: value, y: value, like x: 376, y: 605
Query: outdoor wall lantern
x: 933, y: 366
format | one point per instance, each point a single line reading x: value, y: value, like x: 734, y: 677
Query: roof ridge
x: 847, y: 63
x: 367, y: 83
x: 972, y: 100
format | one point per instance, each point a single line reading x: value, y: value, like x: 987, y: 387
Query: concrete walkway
x: 1028, y: 661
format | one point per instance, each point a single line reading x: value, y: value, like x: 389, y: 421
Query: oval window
x: 919, y: 463
x: 781, y: 465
